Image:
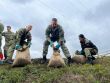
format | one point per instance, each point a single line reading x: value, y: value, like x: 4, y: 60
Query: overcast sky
x: 89, y: 17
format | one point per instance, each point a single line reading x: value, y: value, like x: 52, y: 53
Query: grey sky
x: 76, y: 16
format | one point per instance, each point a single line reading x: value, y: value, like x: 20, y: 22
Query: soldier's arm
x: 3, y: 34
x: 61, y: 34
x: 94, y: 46
x: 29, y: 37
x: 47, y: 33
x: 19, y: 33
x: 1, y: 28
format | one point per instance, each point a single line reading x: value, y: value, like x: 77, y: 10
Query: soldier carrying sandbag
x: 55, y: 32
x: 88, y: 49
x: 23, y: 36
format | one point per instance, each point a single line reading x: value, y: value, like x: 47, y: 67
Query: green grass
x: 39, y: 73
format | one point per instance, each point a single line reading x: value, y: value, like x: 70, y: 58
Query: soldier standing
x: 54, y: 32
x: 9, y: 40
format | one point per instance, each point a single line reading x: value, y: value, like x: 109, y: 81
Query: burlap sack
x: 79, y: 59
x: 56, y: 60
x: 22, y: 57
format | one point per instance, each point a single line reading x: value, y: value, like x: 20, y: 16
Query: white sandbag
x: 79, y: 59
x: 56, y: 60
x: 22, y: 57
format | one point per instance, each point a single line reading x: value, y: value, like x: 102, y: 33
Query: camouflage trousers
x: 63, y: 47
x: 90, y: 52
x: 10, y: 51
x: 0, y: 45
x: 6, y: 47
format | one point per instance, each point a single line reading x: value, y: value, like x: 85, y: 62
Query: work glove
x: 17, y: 46
x: 29, y: 44
x: 51, y: 44
x: 57, y: 46
x: 77, y: 52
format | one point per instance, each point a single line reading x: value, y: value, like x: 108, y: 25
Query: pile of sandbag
x: 56, y: 60
x: 79, y: 59
x: 22, y: 57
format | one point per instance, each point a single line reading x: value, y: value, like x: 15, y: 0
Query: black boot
x: 69, y: 61
x: 44, y: 60
x: 93, y: 58
x: 90, y: 60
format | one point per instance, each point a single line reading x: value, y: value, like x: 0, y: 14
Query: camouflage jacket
x: 9, y: 38
x: 54, y: 34
x: 23, y: 35
x: 1, y: 30
x: 87, y: 44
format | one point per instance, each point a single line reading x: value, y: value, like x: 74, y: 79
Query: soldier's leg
x: 87, y: 51
x: 45, y: 49
x: 0, y: 46
x: 10, y: 51
x: 88, y: 55
x: 5, y: 51
x: 66, y: 52
x: 5, y: 54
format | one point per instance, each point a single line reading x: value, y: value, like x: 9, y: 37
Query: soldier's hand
x: 51, y: 44
x: 57, y: 46
x: 17, y: 46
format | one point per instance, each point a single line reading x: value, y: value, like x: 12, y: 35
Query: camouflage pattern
x: 9, y: 41
x: 55, y: 35
x: 90, y: 51
x: 11, y: 50
x: 1, y: 30
x: 23, y: 35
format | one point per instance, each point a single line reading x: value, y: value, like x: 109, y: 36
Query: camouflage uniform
x: 1, y: 30
x: 55, y: 34
x: 9, y: 41
x: 88, y: 48
x: 20, y: 37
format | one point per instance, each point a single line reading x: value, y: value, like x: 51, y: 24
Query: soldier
x: 9, y: 40
x: 22, y: 35
x: 88, y: 49
x: 54, y: 32
x: 1, y: 30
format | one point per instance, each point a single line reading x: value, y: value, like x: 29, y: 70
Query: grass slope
x: 76, y: 73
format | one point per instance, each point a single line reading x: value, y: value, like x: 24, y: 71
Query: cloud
x: 88, y: 17
x: 21, y: 1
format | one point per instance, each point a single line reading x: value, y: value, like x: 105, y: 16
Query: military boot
x: 69, y: 60
x: 44, y: 60
x: 89, y: 60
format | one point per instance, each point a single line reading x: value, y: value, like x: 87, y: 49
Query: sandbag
x: 22, y: 58
x: 56, y: 60
x: 79, y: 59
